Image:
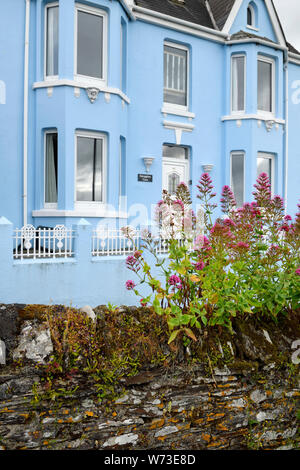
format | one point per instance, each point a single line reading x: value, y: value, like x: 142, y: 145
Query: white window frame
x: 243, y: 111
x: 242, y: 153
x: 49, y: 205
x: 91, y: 204
x: 98, y: 12
x: 260, y: 112
x: 271, y: 157
x: 49, y: 5
x: 169, y: 107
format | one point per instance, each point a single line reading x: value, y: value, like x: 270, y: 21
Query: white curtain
x: 52, y: 41
x: 238, y: 83
x: 51, y: 183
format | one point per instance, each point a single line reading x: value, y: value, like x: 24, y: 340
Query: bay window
x: 175, y: 75
x: 51, y: 168
x: 51, y: 40
x: 90, y: 168
x: 238, y: 83
x: 91, y: 30
x: 238, y: 177
x: 265, y: 85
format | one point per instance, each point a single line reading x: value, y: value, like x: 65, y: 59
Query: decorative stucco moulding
x: 92, y: 93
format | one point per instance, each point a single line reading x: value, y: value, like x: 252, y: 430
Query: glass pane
x: 90, y: 45
x: 52, y: 42
x: 264, y: 165
x: 173, y: 182
x: 238, y: 83
x: 51, y: 168
x: 175, y: 151
x: 264, y: 86
x: 175, y: 76
x: 249, y: 17
x: 237, y: 177
x: 89, y: 177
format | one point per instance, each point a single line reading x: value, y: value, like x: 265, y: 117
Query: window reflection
x: 89, y: 177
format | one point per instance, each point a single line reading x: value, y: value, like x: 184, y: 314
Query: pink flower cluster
x: 130, y: 285
x: 175, y: 281
x: 132, y: 262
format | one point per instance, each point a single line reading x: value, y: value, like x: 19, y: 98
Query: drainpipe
x: 286, y: 62
x: 25, y: 128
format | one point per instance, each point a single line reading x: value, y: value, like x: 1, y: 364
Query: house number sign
x: 145, y: 178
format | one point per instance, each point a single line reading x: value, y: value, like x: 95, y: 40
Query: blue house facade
x: 105, y: 103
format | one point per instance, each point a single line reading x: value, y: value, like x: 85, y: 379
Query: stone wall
x: 188, y: 406
x: 175, y: 410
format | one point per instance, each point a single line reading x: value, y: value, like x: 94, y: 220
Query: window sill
x: 178, y: 112
x: 253, y: 28
x: 84, y: 212
x: 258, y: 117
x: 82, y: 83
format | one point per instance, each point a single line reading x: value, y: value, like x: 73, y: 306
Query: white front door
x: 175, y: 168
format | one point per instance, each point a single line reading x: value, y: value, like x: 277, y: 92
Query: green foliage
x: 244, y: 265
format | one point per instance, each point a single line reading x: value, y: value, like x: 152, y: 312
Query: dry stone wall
x: 184, y: 407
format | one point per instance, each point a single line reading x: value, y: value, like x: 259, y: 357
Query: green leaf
x: 173, y: 336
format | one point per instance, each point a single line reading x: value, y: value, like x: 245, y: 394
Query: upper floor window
x: 90, y: 168
x: 266, y: 85
x: 51, y: 168
x: 51, y: 40
x: 175, y: 75
x: 238, y: 83
x: 250, y: 16
x: 90, y: 57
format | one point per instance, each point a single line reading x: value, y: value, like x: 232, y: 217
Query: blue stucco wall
x: 138, y: 119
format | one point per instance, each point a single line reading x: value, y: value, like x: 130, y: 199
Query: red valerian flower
x: 130, y: 285
x: 199, y: 266
x: 143, y: 303
x: 175, y: 281
x: 298, y: 271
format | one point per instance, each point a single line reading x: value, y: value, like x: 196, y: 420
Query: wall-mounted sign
x: 145, y: 178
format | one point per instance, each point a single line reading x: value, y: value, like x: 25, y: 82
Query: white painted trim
x: 241, y: 112
x: 128, y: 8
x: 242, y: 153
x: 230, y: 20
x: 92, y: 205
x: 262, y: 42
x: 253, y: 28
x: 25, y: 110
x: 177, y: 112
x: 81, y: 84
x: 271, y: 157
x: 258, y: 117
x: 275, y: 23
x: 178, y: 125
x: 268, y: 60
x: 47, y: 6
x: 175, y: 45
x: 171, y: 22
x: 101, y: 212
x: 103, y: 14
x: 294, y: 58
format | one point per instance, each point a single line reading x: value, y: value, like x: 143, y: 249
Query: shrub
x: 243, y: 264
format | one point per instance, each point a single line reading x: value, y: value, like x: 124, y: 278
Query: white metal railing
x: 112, y: 242
x: 36, y: 243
